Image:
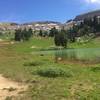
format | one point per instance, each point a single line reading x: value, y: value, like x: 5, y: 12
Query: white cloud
x: 93, y: 1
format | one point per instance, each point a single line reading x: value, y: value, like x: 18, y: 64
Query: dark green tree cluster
x: 88, y: 26
x: 61, y: 38
x: 72, y: 33
x: 23, y: 35
x: 40, y: 33
x: 43, y: 33
x: 53, y: 32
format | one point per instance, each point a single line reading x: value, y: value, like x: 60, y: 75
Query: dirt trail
x: 10, y: 88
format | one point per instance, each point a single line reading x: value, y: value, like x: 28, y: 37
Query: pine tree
x: 18, y: 35
x: 40, y: 33
x: 53, y: 32
x: 61, y: 39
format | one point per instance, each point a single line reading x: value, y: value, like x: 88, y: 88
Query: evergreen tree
x: 53, y: 32
x: 30, y: 32
x: 23, y: 34
x: 18, y: 35
x: 40, y: 33
x: 72, y: 33
x: 61, y: 38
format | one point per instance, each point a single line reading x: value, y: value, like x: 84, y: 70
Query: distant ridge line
x: 90, y: 14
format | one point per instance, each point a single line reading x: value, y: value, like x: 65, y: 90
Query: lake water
x: 86, y: 54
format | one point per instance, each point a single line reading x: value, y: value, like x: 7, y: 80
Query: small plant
x: 32, y: 64
x: 54, y: 72
x: 95, y: 69
x: 11, y: 89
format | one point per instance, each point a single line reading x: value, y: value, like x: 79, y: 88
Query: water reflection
x: 84, y: 55
x: 65, y: 55
x: 88, y: 55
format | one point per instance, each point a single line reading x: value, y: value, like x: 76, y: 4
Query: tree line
x: 23, y: 35
x: 62, y: 37
x: 87, y: 26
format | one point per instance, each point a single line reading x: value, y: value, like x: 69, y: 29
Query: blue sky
x: 40, y: 10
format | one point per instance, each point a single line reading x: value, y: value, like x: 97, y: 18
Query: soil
x: 10, y: 88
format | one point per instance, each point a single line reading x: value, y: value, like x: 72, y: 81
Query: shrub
x: 32, y: 64
x: 95, y: 69
x: 54, y: 72
x: 11, y: 89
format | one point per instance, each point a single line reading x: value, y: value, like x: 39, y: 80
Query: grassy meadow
x: 50, y: 79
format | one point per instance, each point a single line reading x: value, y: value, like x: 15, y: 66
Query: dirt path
x: 10, y: 88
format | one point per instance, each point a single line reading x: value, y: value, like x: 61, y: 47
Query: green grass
x: 94, y: 43
x: 17, y: 63
x: 36, y: 43
x: 7, y: 36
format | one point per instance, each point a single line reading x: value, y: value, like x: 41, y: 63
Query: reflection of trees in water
x: 63, y: 55
x: 84, y: 56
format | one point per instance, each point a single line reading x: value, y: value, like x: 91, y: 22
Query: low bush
x: 32, y: 64
x: 54, y: 72
x: 95, y: 69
